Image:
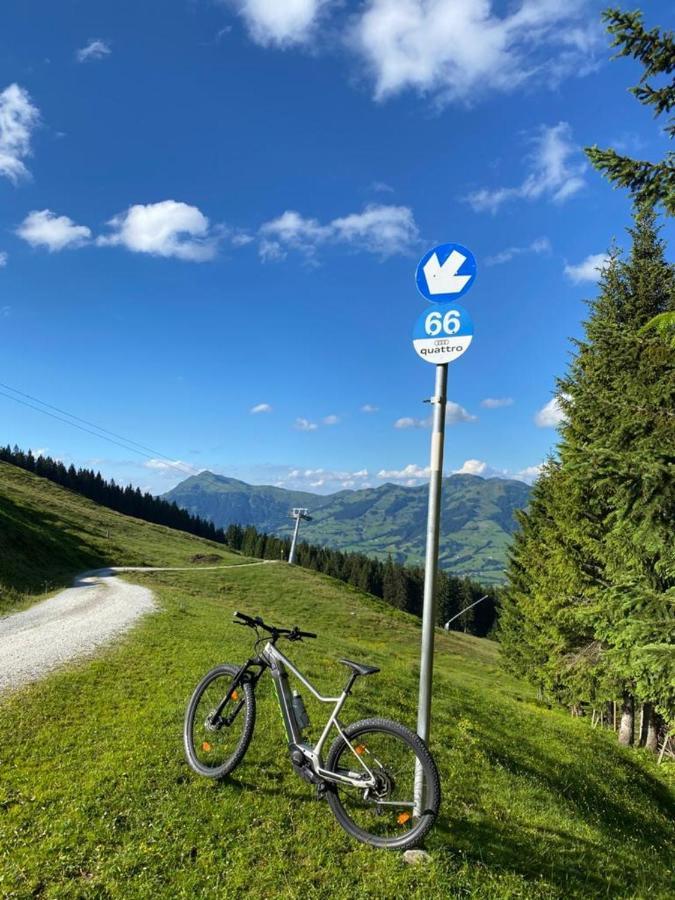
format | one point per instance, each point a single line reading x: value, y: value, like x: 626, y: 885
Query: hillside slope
x: 48, y: 534
x: 97, y: 801
x: 477, y: 518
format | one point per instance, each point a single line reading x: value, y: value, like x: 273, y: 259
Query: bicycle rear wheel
x: 215, y: 746
x: 384, y: 816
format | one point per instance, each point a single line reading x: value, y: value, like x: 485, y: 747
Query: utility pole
x: 297, y: 513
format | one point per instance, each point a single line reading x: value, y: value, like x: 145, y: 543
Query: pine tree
x: 540, y: 635
x: 393, y: 585
x: 655, y: 50
x: 589, y: 611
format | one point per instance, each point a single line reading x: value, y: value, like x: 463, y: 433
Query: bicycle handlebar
x: 292, y: 634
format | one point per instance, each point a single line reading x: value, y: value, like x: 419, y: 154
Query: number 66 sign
x: 442, y: 333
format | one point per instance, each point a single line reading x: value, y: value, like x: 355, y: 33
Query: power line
x: 65, y: 412
x: 182, y: 467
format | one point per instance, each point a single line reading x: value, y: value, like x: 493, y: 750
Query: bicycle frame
x: 278, y: 664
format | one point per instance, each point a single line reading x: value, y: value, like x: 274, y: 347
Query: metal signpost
x: 441, y: 335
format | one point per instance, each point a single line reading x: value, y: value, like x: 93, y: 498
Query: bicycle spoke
x: 386, y: 810
x: 215, y: 741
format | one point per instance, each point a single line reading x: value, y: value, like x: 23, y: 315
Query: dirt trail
x: 76, y: 621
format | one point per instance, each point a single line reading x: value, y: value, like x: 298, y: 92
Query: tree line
x: 589, y: 610
x: 127, y: 500
x: 398, y: 585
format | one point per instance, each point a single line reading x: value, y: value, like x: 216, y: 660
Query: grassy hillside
x: 96, y: 800
x: 47, y: 534
x: 477, y: 518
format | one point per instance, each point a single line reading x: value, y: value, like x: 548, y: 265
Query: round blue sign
x: 445, y: 272
x: 443, y: 333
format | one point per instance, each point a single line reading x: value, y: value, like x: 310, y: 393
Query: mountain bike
x: 369, y: 774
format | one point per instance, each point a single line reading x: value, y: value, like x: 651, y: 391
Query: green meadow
x: 96, y: 799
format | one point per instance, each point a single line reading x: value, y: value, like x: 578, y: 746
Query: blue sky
x: 211, y: 213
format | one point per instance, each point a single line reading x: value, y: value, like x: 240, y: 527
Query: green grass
x: 48, y: 534
x: 97, y: 801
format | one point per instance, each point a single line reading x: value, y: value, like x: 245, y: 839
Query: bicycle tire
x: 226, y: 672
x: 432, y: 788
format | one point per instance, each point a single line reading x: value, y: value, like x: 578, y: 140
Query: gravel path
x: 76, y: 621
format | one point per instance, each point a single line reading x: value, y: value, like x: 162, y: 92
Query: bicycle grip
x: 245, y: 619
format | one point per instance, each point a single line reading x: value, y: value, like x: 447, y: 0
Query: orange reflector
x: 360, y: 749
x: 403, y: 817
x: 206, y: 747
x: 235, y: 695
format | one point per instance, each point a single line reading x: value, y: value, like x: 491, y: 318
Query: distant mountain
x: 226, y: 501
x: 476, y: 524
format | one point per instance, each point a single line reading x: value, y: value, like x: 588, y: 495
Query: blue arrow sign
x: 445, y: 272
x: 443, y: 333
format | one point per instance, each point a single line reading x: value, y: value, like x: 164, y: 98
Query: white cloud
x: 454, y: 413
x: 18, y: 119
x: 555, y: 172
x: 384, y: 230
x: 380, y: 229
x: 459, y: 49
x: 168, y: 228
x: 538, y: 246
x: 241, y: 238
x: 328, y: 480
x: 485, y: 470
x: 369, y: 408
x: 409, y: 422
x: 529, y: 473
x: 589, y: 269
x: 550, y: 415
x: 95, y: 49
x: 496, y: 402
x: 290, y: 231
x: 413, y: 474
x: 5, y: 312
x: 44, y: 228
x: 381, y: 187
x: 280, y: 22
x: 472, y: 467
x: 302, y: 424
x: 408, y: 473
x: 331, y: 420
x: 260, y: 408
x: 170, y: 466
x: 3, y: 259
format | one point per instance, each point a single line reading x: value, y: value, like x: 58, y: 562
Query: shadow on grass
x: 573, y: 864
x: 275, y: 786
x: 39, y: 553
x: 619, y: 803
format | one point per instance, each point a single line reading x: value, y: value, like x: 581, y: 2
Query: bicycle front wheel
x: 216, y: 736
x: 384, y: 815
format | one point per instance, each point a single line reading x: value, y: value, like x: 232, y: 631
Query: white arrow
x: 443, y: 279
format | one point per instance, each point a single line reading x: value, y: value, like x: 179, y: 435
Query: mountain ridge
x: 477, y: 518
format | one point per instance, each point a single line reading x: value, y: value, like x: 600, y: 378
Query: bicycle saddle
x: 359, y: 668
